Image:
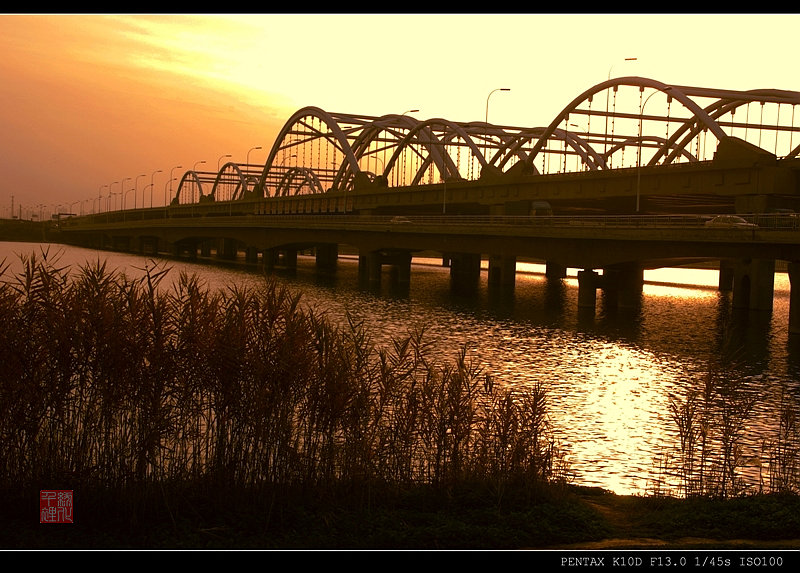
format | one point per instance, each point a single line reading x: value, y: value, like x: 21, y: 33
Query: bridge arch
x: 395, y: 126
x: 727, y: 102
x: 190, y: 189
x: 295, y: 179
x: 425, y: 136
x: 299, y: 126
x: 661, y: 142
x: 700, y: 116
x: 229, y: 183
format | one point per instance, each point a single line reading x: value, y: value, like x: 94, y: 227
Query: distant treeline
x: 19, y: 230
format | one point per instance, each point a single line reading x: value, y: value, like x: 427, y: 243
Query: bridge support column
x: 148, y: 246
x: 226, y: 249
x: 270, y: 258
x: 587, y: 288
x: 465, y: 270
x: 726, y: 274
x: 554, y: 270
x: 121, y: 244
x: 623, y: 285
x: 327, y: 255
x: 290, y: 258
x: 502, y: 270
x: 401, y: 268
x: 185, y: 249
x: 754, y: 284
x: 794, y: 297
x: 369, y: 267
x: 251, y: 255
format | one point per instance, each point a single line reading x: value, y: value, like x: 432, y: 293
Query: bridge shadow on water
x: 541, y: 303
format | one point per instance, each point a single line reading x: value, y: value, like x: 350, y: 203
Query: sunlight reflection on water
x: 610, y: 374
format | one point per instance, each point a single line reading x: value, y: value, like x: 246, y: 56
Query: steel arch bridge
x: 612, y: 125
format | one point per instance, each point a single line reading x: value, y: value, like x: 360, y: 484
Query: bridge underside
x: 746, y: 256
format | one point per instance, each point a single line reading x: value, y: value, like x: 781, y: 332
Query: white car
x: 729, y: 221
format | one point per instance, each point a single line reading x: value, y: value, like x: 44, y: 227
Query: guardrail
x: 764, y: 222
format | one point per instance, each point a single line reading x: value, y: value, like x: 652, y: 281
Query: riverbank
x: 20, y: 230
x: 552, y: 518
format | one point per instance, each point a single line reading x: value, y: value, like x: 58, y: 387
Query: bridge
x: 616, y: 182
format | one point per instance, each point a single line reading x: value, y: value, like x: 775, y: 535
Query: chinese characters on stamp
x: 55, y: 506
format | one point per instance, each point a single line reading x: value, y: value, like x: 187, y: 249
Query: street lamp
x: 171, y: 179
x: 151, y: 188
x: 612, y: 65
x: 125, y: 194
x: 136, y: 190
x: 639, y: 145
x: 194, y: 169
x: 166, y: 183
x: 122, y: 193
x: 110, y: 193
x: 100, y: 197
x: 285, y: 158
x: 490, y: 95
x: 220, y: 159
x: 486, y: 119
x: 605, y: 138
x: 247, y: 164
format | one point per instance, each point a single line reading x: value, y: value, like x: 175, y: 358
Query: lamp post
x: 151, y: 188
x: 171, y: 179
x: 146, y: 187
x: 125, y: 194
x: 122, y: 193
x: 490, y: 95
x: 110, y: 194
x: 136, y: 190
x: 605, y: 137
x: 285, y: 158
x: 639, y: 145
x: 168, y: 183
x: 220, y: 159
x: 100, y: 197
x: 247, y: 164
x: 194, y: 169
x: 486, y: 119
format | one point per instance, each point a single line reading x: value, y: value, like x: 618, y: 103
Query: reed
x: 712, y: 424
x: 133, y: 385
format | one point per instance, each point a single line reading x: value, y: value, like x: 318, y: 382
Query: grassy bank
x: 466, y: 517
x: 182, y: 417
x: 120, y: 389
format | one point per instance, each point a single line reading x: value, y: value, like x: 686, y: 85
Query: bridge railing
x: 249, y: 217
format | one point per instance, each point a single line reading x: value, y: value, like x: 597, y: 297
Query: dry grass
x: 129, y: 385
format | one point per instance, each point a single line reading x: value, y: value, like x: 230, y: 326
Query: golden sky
x: 87, y: 100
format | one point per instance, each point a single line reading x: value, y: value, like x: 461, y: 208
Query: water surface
x: 609, y: 373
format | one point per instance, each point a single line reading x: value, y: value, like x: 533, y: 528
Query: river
x: 609, y: 374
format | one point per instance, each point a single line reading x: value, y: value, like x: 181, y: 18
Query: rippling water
x: 610, y: 373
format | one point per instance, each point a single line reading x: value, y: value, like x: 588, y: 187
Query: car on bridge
x: 730, y: 221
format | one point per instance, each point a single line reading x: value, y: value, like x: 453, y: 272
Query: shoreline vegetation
x: 186, y: 418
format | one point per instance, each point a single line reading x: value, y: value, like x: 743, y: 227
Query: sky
x: 87, y: 100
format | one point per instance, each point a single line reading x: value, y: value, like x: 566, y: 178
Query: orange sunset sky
x: 87, y: 100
